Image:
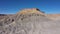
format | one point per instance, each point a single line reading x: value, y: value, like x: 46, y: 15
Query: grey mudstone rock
x: 29, y: 24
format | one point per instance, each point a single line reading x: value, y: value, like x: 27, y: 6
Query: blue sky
x: 13, y: 6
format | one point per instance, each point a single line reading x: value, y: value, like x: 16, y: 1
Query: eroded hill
x: 29, y: 21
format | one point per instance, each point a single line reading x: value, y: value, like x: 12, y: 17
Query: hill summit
x: 30, y: 10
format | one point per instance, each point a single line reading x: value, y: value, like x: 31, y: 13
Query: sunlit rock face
x: 29, y: 21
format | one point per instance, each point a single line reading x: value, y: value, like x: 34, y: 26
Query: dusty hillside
x: 2, y: 16
x: 29, y: 21
x: 54, y: 16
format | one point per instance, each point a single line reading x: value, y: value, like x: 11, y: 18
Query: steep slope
x: 29, y: 21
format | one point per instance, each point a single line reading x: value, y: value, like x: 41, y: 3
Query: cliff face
x: 29, y: 21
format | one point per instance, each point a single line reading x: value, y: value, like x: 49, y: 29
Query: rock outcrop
x: 29, y: 21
